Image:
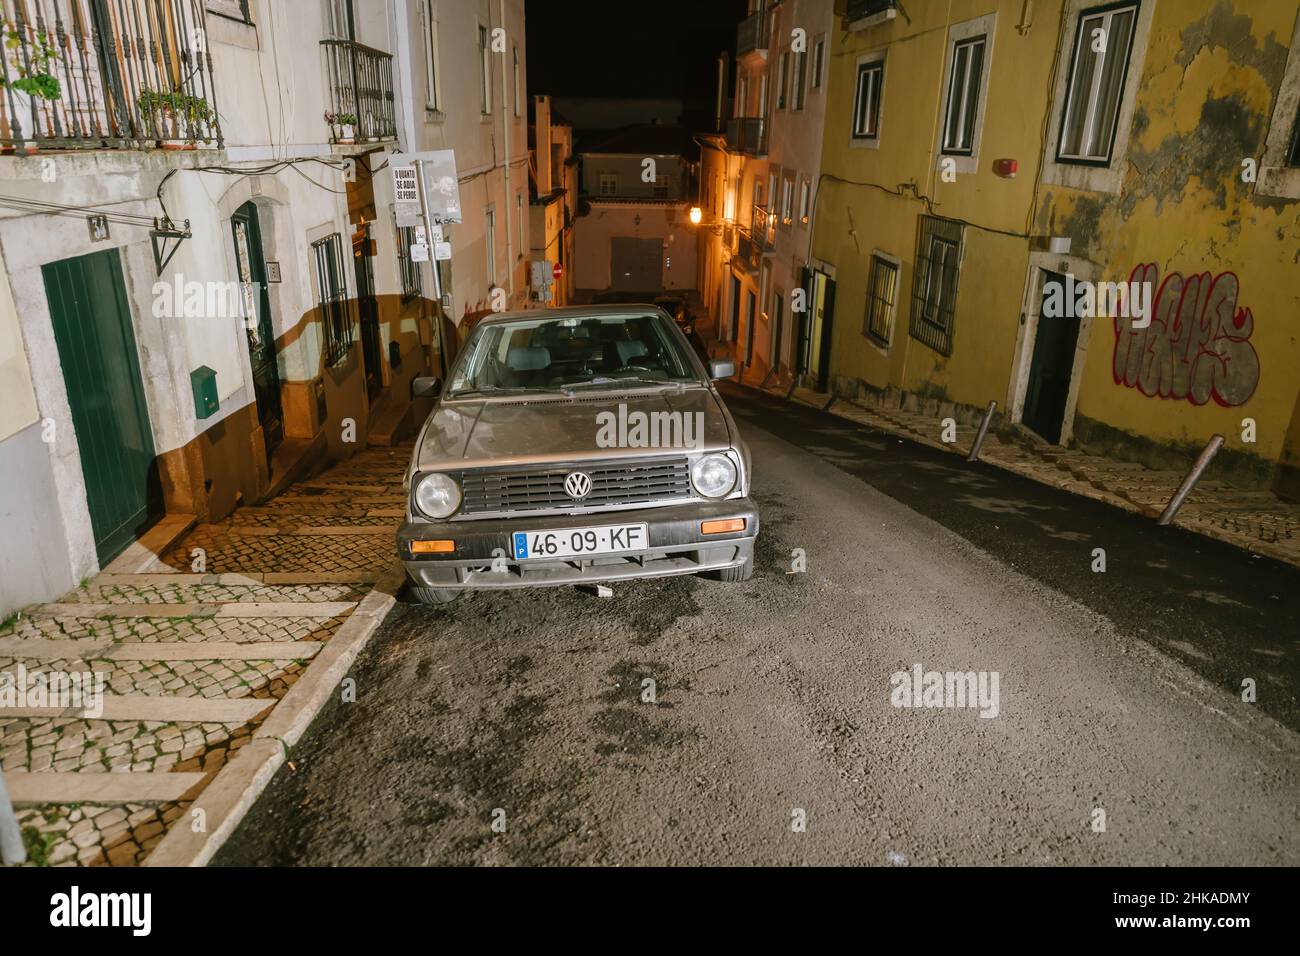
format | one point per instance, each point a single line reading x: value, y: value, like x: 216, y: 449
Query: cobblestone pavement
x: 192, y: 661
x: 1257, y: 521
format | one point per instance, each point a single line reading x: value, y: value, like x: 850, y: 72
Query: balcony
x: 861, y: 14
x: 763, y: 226
x: 747, y: 135
x: 128, y: 74
x: 360, y: 81
x: 752, y: 36
x: 749, y: 252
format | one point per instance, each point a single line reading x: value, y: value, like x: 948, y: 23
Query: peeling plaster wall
x: 1205, y: 102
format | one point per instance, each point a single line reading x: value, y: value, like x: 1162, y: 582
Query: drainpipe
x: 506, y: 113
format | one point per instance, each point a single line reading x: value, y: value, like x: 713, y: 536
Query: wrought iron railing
x: 361, y: 91
x: 747, y: 134
x: 77, y: 74
x: 763, y: 225
x: 749, y: 252
x: 751, y: 34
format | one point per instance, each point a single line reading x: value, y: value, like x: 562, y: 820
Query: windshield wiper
x: 574, y: 386
x: 501, y: 389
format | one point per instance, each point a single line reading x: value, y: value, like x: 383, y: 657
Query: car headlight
x: 436, y: 496
x: 713, y: 475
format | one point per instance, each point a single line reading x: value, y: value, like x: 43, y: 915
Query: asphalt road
x: 1116, y: 691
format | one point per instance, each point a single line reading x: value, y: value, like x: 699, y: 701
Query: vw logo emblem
x: 577, y: 485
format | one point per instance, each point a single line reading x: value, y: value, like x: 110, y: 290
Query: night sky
x: 617, y: 48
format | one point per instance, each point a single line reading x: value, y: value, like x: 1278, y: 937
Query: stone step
x: 41, y: 649
x: 204, y: 710
x: 36, y: 789
x: 255, y: 632
x: 196, y: 590
x: 275, y: 609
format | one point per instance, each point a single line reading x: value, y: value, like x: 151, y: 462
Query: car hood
x: 500, y: 432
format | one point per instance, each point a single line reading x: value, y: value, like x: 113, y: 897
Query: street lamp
x: 697, y: 215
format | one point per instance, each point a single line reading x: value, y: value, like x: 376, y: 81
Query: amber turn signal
x: 433, y: 547
x: 722, y: 526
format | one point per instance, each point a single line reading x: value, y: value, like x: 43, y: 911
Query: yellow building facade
x: 1141, y: 157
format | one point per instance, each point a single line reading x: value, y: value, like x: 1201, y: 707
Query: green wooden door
x: 101, y: 369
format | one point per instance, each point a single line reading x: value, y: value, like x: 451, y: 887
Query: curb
x: 237, y: 785
x: 1096, y: 492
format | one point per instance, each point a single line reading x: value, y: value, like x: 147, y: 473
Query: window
x: 523, y: 227
x: 882, y: 296
x: 331, y: 288
x: 800, y: 72
x: 1102, y: 44
x: 432, y: 90
x: 1294, y: 158
x: 965, y: 78
x: 491, y: 242
x: 805, y: 201
x: 661, y: 187
x: 407, y: 270
x: 518, y: 93
x: 819, y: 62
x: 934, y: 285
x: 484, y: 72
x: 787, y: 201
x: 608, y: 184
x: 866, y: 102
x: 783, y: 82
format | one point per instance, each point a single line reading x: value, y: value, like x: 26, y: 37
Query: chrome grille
x: 612, y: 484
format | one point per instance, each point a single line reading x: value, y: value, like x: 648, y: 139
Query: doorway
x: 101, y: 371
x: 815, y: 326
x: 636, y: 264
x: 734, y: 324
x: 368, y: 310
x: 259, y: 328
x: 778, y: 320
x: 749, y: 329
x: 1048, y: 388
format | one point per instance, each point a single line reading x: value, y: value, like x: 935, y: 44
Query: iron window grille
x: 336, y: 324
x: 1103, y: 44
x: 407, y: 269
x: 963, y: 96
x: 882, y: 297
x: 934, y: 282
x: 866, y: 102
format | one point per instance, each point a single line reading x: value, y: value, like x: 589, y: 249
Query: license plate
x: 580, y: 542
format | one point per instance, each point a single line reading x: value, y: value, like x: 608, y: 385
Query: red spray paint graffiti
x: 1197, y: 346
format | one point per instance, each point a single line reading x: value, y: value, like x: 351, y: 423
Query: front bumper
x: 677, y: 546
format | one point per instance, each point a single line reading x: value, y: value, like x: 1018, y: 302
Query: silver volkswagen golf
x: 575, y: 446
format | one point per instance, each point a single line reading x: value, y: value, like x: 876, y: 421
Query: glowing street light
x: 697, y: 215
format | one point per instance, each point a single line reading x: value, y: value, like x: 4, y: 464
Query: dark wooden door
x: 735, y: 309
x: 750, y: 312
x: 259, y: 328
x: 101, y: 370
x: 825, y: 322
x: 1050, y: 369
x: 368, y: 310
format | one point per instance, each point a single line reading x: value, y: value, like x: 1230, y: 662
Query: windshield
x: 557, y: 353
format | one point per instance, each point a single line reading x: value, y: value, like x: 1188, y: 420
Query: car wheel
x: 734, y: 575
x: 435, y: 595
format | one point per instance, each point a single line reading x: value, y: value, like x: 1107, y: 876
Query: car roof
x: 571, y: 312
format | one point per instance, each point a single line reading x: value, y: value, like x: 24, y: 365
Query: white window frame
x: 1108, y: 178
x: 787, y: 200
x: 485, y: 70
x: 783, y: 81
x: 432, y: 77
x: 606, y: 179
x: 959, y: 34
x: 1276, y: 177
x: 805, y: 200
x: 490, y: 239
x: 868, y: 61
x: 799, y: 80
x: 819, y: 63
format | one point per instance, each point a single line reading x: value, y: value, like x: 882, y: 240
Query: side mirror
x: 427, y: 386
x: 721, y: 368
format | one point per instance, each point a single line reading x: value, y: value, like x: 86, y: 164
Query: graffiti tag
x: 1197, y: 346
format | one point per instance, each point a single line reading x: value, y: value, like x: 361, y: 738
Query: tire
x: 434, y: 595
x: 734, y: 575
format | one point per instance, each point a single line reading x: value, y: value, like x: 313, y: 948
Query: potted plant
x: 175, y: 113
x: 344, y: 127
x: 34, y: 80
